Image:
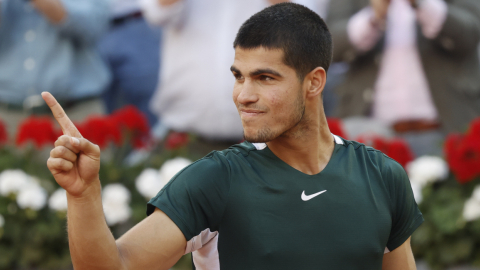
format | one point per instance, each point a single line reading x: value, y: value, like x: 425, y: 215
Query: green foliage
x: 445, y: 239
x: 38, y: 240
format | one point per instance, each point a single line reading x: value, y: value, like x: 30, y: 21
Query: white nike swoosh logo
x: 309, y: 197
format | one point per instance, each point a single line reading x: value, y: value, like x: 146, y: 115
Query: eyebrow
x: 258, y: 71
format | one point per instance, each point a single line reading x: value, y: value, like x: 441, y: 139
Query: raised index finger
x: 67, y: 126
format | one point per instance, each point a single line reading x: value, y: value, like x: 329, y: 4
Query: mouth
x: 247, y: 113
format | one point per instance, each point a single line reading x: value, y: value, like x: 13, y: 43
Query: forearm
x: 53, y: 10
x: 92, y: 245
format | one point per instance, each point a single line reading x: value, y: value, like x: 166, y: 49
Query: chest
x: 274, y: 217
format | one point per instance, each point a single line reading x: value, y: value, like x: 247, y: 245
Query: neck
x: 308, y: 148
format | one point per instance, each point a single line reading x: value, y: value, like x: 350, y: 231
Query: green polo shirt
x: 267, y: 215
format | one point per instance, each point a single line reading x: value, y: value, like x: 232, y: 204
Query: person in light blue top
x: 49, y: 45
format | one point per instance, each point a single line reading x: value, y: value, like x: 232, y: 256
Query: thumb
x: 88, y: 148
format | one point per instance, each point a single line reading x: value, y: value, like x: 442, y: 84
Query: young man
x: 293, y: 197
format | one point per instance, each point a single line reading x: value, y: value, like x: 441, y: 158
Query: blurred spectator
x: 49, y: 45
x: 195, y: 80
x: 413, y: 64
x: 130, y: 49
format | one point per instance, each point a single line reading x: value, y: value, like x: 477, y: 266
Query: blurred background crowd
x: 403, y: 69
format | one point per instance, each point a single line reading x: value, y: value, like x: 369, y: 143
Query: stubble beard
x: 266, y: 134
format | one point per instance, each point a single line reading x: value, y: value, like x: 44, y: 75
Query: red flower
x: 132, y: 119
x: 135, y: 122
x: 336, y: 127
x: 396, y: 149
x: 100, y: 130
x: 399, y: 150
x: 380, y: 144
x: 176, y: 140
x: 3, y: 133
x: 463, y: 156
x: 474, y: 129
x: 40, y: 130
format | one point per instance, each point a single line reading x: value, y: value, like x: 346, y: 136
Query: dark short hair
x: 298, y: 31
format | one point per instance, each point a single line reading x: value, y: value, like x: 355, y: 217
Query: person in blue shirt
x: 49, y: 45
x: 131, y: 50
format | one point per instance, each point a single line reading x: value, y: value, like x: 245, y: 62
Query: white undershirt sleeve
x: 431, y: 15
x: 361, y: 32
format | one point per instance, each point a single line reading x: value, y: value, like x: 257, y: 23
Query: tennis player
x: 292, y: 196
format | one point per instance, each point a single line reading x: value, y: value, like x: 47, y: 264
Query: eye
x: 266, y: 78
x: 238, y: 77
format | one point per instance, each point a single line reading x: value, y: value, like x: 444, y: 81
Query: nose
x: 245, y: 93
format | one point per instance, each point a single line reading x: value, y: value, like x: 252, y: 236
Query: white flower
x: 2, y: 221
x: 33, y: 196
x: 149, y: 182
x: 417, y: 192
x: 115, y: 199
x: 171, y: 167
x: 116, y: 213
x: 476, y: 193
x: 12, y: 181
x: 427, y: 169
x: 58, y: 200
x: 116, y: 194
x: 471, y: 209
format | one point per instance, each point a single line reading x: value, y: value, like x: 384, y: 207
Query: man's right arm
x: 155, y: 243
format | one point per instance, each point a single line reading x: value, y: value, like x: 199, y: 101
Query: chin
x: 261, y: 135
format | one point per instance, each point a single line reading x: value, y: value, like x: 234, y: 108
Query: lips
x: 250, y: 113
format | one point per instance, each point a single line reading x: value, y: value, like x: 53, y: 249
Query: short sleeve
x: 196, y: 197
x: 406, y: 217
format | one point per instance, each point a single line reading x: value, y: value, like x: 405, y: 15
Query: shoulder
x: 213, y: 164
x: 216, y: 164
x: 374, y: 159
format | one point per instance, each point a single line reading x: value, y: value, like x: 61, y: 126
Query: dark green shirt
x: 254, y: 211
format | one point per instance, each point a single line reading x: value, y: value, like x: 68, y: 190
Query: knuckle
x: 65, y: 138
x: 60, y: 114
x: 52, y: 163
x: 62, y: 150
x: 67, y: 165
x: 49, y: 162
x: 62, y: 140
x: 64, y: 164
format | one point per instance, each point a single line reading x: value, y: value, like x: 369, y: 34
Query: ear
x: 316, y: 82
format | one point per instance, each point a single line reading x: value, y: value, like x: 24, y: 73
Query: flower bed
x: 33, y: 207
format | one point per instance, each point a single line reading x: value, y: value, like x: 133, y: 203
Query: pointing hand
x: 74, y: 162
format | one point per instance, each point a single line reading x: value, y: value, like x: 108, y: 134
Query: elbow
x: 122, y: 255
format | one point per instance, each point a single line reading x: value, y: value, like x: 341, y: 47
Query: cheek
x: 280, y: 102
x: 275, y: 100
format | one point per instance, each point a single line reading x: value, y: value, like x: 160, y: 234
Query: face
x: 268, y: 94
